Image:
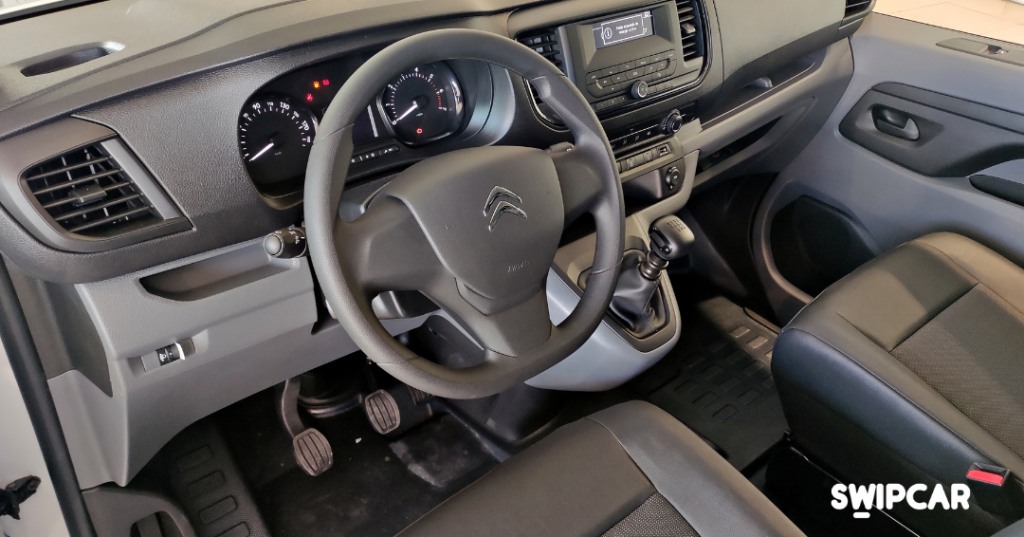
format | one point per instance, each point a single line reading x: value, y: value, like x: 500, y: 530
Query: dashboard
x: 618, y: 62
x: 144, y: 157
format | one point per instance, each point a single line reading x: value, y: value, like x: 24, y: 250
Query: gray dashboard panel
x: 243, y: 339
x: 752, y: 28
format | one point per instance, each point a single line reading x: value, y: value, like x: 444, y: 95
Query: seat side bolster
x: 845, y: 372
x: 996, y: 272
x: 710, y: 494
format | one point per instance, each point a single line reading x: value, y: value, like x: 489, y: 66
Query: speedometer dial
x: 275, y: 136
x: 424, y: 104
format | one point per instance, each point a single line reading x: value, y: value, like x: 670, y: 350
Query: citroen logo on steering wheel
x: 502, y: 201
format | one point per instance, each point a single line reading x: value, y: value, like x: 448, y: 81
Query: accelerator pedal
x: 392, y: 412
x: 382, y: 411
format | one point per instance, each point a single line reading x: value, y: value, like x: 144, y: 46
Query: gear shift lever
x: 670, y: 239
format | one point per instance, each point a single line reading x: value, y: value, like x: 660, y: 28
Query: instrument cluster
x: 278, y: 124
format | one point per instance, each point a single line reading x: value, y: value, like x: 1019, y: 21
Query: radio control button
x: 592, y: 78
x: 640, y: 90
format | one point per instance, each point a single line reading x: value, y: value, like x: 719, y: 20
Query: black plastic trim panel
x: 956, y: 137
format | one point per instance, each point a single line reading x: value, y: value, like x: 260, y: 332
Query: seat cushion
x: 911, y: 369
x: 630, y: 470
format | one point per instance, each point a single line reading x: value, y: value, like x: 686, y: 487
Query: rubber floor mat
x: 718, y: 381
x: 377, y: 486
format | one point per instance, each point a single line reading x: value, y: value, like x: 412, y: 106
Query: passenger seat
x: 911, y: 370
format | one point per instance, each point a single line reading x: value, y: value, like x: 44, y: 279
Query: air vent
x: 691, y: 27
x: 545, y: 43
x: 855, y: 8
x: 86, y: 192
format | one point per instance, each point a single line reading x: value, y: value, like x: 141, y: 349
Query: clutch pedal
x: 312, y: 450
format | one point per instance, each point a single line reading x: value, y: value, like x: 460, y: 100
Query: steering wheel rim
x: 595, y: 188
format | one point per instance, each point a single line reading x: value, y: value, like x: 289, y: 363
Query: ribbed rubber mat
x: 718, y: 381
x: 209, y: 486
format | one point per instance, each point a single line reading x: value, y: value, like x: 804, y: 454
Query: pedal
x: 392, y: 412
x: 312, y: 450
x: 383, y: 412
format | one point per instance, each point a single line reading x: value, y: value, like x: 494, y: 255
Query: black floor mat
x: 376, y: 487
x: 717, y: 381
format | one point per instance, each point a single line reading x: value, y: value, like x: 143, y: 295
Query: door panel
x: 897, y: 156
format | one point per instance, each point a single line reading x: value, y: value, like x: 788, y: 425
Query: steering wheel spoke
x: 385, y: 250
x: 511, y: 331
x: 580, y: 182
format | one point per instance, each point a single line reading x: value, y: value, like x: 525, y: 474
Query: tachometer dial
x: 424, y: 104
x: 275, y: 136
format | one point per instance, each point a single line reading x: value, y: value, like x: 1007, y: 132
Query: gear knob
x: 670, y: 238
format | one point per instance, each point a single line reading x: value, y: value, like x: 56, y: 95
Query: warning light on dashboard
x: 309, y: 97
x: 316, y: 85
x: 326, y: 82
x: 419, y: 131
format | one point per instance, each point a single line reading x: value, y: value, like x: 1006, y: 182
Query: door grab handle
x: 895, y: 123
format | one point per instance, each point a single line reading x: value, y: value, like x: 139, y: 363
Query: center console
x: 625, y: 59
x: 635, y: 68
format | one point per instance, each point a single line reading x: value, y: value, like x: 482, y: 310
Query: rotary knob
x: 640, y: 90
x: 673, y: 123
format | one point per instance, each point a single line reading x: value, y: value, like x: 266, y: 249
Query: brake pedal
x: 312, y: 450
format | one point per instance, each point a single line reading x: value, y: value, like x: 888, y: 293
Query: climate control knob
x: 673, y: 123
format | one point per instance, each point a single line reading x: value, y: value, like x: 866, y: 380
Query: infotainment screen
x: 622, y: 29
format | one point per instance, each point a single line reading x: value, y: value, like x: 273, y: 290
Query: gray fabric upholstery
x: 972, y: 353
x: 654, y: 518
x: 628, y: 470
x: 909, y: 370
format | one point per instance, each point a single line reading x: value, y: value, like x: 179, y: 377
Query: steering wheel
x: 475, y: 230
